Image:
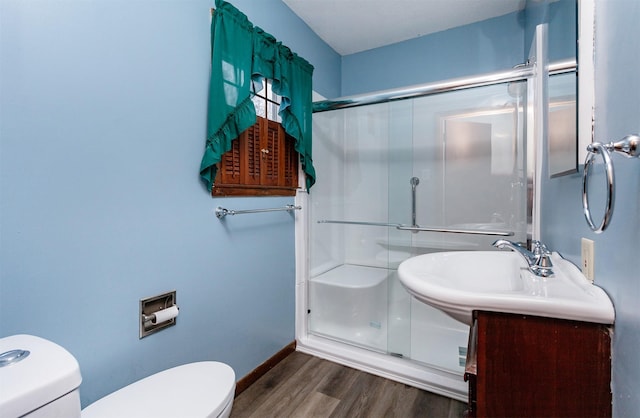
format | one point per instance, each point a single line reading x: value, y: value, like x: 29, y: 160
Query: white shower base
x: 359, y: 314
x: 349, y: 303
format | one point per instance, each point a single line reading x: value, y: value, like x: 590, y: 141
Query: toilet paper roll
x: 165, y: 315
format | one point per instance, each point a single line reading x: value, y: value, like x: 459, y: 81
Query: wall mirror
x: 562, y: 113
x: 561, y: 116
x: 586, y: 22
x: 562, y: 131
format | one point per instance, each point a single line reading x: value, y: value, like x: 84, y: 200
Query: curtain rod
x: 384, y: 96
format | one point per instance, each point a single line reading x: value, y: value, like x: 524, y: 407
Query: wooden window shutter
x: 262, y: 162
x: 290, y: 165
x: 271, y: 152
x: 250, y: 141
x: 229, y: 168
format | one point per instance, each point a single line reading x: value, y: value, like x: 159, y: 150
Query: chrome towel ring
x: 628, y: 146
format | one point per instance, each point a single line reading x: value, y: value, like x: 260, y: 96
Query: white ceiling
x: 351, y: 26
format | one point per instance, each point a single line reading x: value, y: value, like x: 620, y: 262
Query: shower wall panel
x: 327, y: 245
x: 366, y: 178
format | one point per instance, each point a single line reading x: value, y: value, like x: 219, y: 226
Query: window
x: 241, y: 52
x: 263, y: 160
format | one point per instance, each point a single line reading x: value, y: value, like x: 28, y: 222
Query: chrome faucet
x: 538, y: 260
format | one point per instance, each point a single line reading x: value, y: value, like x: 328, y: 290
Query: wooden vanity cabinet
x: 528, y: 366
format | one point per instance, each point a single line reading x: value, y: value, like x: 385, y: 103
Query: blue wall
x: 617, y: 114
x: 561, y: 15
x: 102, y: 128
x: 490, y: 45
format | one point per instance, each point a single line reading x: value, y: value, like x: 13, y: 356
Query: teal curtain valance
x: 243, y: 55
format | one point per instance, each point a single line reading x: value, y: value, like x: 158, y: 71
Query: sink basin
x: 460, y: 282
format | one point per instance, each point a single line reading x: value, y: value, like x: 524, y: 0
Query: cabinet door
x: 529, y: 366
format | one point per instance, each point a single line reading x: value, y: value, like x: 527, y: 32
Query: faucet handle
x: 542, y: 265
x: 538, y: 248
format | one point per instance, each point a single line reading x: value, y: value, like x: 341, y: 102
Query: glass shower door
x: 453, y: 161
x: 348, y: 295
x: 458, y: 164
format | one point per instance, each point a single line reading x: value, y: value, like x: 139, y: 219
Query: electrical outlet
x: 588, y: 259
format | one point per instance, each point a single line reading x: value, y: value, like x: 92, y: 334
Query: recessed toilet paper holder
x: 157, y: 313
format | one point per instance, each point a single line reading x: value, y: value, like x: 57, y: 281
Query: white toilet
x: 45, y: 382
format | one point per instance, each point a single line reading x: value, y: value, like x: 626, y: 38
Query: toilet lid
x: 38, y: 372
x: 195, y: 390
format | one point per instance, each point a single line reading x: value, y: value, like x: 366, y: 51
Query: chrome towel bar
x: 628, y: 146
x: 222, y: 212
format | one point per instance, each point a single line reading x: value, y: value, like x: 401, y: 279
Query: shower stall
x: 448, y: 168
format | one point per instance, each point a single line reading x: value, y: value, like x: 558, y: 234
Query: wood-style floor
x: 305, y: 386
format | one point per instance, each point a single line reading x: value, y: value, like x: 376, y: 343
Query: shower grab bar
x: 327, y: 221
x: 222, y: 212
x: 403, y: 227
x: 456, y: 231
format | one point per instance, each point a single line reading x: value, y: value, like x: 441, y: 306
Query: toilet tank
x: 42, y: 383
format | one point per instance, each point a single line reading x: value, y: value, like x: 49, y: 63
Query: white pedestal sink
x: 463, y: 281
